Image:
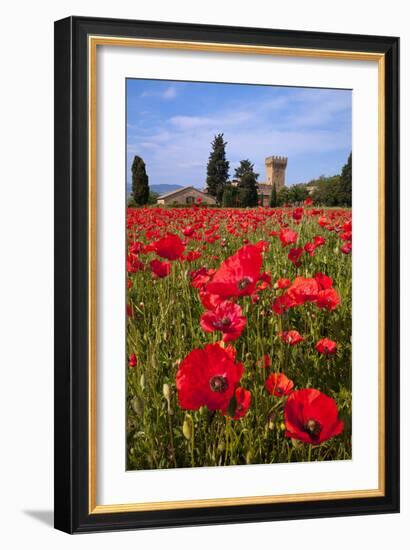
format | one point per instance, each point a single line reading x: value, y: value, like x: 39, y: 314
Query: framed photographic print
x: 226, y: 274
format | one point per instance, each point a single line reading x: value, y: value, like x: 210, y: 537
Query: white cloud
x: 168, y: 93
x: 183, y: 122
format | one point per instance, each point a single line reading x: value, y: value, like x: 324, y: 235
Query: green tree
x: 230, y: 196
x: 298, y: 193
x: 218, y: 168
x: 140, y: 187
x: 283, y: 196
x: 152, y: 198
x: 247, y: 184
x: 273, y: 202
x: 326, y: 190
x: 344, y: 192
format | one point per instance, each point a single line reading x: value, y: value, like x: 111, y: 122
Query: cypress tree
x: 217, y: 169
x: 140, y: 187
x: 273, y: 203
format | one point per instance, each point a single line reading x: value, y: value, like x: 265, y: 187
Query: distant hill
x: 161, y: 188
x: 164, y: 188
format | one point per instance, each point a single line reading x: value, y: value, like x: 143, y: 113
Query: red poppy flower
x: 160, y: 269
x: 265, y: 281
x: 170, y: 247
x: 279, y: 384
x: 346, y: 236
x: 303, y: 290
x: 191, y: 256
x: 130, y: 311
x: 287, y: 237
x: 308, y: 201
x: 318, y: 240
x: 324, y: 281
x: 226, y: 317
x: 134, y: 264
x: 188, y: 231
x: 238, y: 274
x: 294, y: 256
x: 132, y: 361
x: 310, y: 249
x: 136, y: 247
x: 208, y: 377
x: 291, y: 337
x: 263, y: 246
x: 311, y: 417
x: 282, y: 283
x: 328, y: 299
x: 281, y: 304
x: 200, y: 277
x: 210, y: 301
x: 243, y: 402
x: 297, y: 214
x: 326, y: 346
x: 346, y: 248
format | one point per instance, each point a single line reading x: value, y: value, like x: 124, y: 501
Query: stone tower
x: 275, y: 171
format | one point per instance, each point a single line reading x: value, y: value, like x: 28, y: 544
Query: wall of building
x: 182, y: 196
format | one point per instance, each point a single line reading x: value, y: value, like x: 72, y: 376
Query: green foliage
x: 334, y: 190
x: 298, y: 193
x: 245, y: 167
x: 140, y: 186
x: 273, y: 202
x: 345, y: 185
x: 217, y: 169
x: 326, y: 190
x: 230, y: 196
x: 283, y: 196
x: 247, y: 184
x: 295, y: 195
x: 152, y: 198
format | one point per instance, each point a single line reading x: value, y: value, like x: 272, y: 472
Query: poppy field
x: 238, y: 336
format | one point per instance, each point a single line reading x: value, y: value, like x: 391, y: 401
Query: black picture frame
x: 72, y: 276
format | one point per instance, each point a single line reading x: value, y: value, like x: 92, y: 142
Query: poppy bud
x: 137, y: 405
x: 166, y: 390
x: 282, y: 426
x: 221, y: 446
x: 187, y: 427
x: 248, y: 457
x: 271, y: 421
x: 142, y: 381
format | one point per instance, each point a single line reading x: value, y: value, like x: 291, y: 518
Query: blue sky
x: 171, y: 125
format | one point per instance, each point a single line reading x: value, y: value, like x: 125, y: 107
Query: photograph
x: 238, y: 274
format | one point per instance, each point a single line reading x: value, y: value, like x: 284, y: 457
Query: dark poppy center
x: 218, y: 384
x: 313, y: 427
x: 222, y: 323
x: 243, y: 283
